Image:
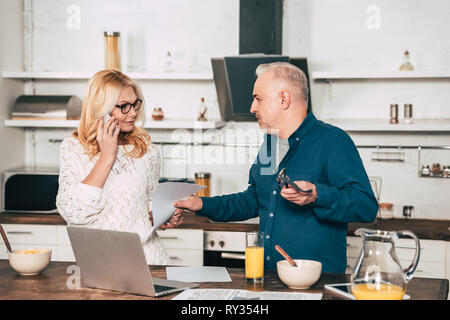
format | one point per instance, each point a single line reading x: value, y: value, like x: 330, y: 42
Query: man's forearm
x: 232, y: 207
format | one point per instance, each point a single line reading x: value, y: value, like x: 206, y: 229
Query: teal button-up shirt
x: 321, y: 154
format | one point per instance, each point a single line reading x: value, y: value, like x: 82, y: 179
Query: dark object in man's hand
x: 284, y: 180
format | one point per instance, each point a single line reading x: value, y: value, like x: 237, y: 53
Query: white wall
x: 193, y: 31
x: 12, y: 149
x: 332, y: 34
x: 335, y: 36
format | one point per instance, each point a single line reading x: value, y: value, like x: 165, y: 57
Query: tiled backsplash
x: 333, y: 38
x: 229, y: 166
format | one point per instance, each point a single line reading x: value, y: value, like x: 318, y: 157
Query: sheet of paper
x: 235, y: 294
x: 165, y: 195
x: 198, y: 274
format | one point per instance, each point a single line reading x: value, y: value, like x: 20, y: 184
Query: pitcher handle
x: 410, y: 270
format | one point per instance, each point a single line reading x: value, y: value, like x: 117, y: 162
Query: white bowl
x: 303, y: 276
x: 28, y: 264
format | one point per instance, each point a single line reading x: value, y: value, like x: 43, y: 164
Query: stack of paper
x: 165, y: 195
x: 235, y: 294
x: 198, y: 274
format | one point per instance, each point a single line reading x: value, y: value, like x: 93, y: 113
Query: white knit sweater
x: 124, y: 202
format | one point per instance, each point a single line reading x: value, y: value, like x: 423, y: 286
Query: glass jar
x: 203, y: 179
x: 436, y: 169
x: 112, y: 50
x: 406, y: 65
x: 425, y: 171
x: 394, y: 114
x: 408, y: 113
x: 386, y: 210
x: 157, y: 114
x: 168, y: 65
x: 446, y: 172
x: 202, y: 110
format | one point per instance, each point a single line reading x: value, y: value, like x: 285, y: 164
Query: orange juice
x: 369, y: 292
x: 254, y: 262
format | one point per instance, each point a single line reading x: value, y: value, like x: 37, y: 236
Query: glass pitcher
x: 378, y: 274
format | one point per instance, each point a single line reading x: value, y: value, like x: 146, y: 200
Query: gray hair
x: 293, y: 75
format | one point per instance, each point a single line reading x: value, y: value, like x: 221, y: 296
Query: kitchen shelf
x: 25, y: 75
x: 430, y: 166
x: 383, y: 125
x: 348, y: 75
x: 433, y: 176
x: 164, y: 124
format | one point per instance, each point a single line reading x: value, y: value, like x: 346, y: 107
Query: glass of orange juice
x: 254, y: 257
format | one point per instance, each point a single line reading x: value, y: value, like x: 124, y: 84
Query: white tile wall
x: 333, y: 35
x: 229, y: 166
x: 12, y: 152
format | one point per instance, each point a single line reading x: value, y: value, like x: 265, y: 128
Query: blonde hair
x: 101, y: 94
x: 293, y: 75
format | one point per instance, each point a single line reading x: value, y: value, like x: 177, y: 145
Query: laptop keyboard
x: 162, y: 288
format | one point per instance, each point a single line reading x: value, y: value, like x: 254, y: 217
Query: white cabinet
x: 184, y: 246
x: 28, y: 236
x: 432, y: 262
x: 64, y: 250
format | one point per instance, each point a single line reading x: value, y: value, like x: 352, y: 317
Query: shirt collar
x: 304, y: 128
x: 302, y: 131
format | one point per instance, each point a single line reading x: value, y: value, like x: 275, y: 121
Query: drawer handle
x: 19, y: 232
x: 408, y: 247
x: 169, y: 237
x: 236, y: 256
x: 175, y: 258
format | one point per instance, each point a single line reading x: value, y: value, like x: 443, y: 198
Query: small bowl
x: 303, y: 276
x: 30, y: 261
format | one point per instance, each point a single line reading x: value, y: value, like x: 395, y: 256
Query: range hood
x: 234, y: 78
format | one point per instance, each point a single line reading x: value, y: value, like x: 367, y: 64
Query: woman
x: 110, y: 169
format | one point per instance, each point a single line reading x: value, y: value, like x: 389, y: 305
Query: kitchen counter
x: 424, y: 229
x: 51, y: 284
x: 191, y: 221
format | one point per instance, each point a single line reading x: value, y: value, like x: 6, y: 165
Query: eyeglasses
x: 284, y: 180
x: 126, y: 107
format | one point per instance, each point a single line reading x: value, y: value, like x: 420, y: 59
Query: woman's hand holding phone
x: 107, y: 137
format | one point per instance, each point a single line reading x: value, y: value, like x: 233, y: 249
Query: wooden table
x: 51, y: 284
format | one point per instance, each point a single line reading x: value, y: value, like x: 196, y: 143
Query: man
x: 318, y: 157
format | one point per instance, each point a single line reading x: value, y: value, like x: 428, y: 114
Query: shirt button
x: 271, y: 215
x: 268, y: 257
x: 274, y: 192
x: 268, y: 237
x: 297, y: 139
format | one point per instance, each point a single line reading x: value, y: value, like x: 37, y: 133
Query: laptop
x: 115, y: 260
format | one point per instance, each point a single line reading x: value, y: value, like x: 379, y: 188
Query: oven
x: 224, y: 249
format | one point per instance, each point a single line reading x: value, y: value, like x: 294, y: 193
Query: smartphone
x: 106, y: 118
x: 345, y: 290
